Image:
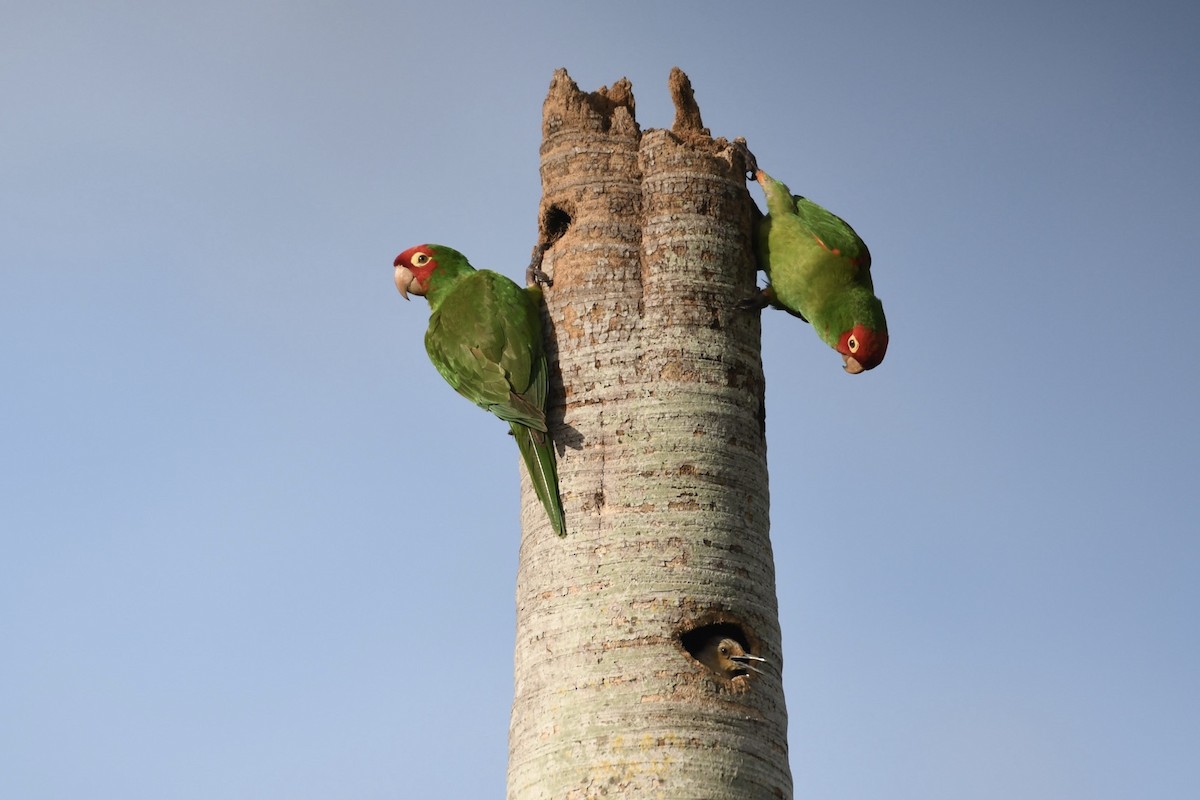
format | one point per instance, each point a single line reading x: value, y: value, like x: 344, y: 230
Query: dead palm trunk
x: 657, y: 407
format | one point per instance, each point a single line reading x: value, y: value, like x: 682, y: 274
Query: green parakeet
x: 485, y: 338
x: 820, y: 270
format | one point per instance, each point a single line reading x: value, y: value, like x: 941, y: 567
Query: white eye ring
x: 420, y: 259
x: 852, y: 343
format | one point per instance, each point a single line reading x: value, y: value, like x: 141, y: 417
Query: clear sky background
x: 253, y: 546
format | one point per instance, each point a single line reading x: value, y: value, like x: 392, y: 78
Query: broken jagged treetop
x: 687, y: 114
x: 594, y: 150
x: 611, y: 109
x: 582, y: 128
x: 604, y: 110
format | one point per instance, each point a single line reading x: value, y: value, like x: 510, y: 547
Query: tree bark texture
x: 657, y: 410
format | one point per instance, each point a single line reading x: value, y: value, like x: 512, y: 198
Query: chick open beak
x: 746, y: 660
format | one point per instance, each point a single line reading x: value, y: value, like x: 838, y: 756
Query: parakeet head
x: 862, y: 348
x: 423, y: 268
x: 413, y: 269
x: 779, y: 196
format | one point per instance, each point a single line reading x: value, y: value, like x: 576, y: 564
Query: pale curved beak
x: 404, y: 280
x: 852, y: 365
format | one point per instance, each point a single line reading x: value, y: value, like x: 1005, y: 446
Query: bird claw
x: 755, y: 302
x: 751, y: 162
x: 533, y: 273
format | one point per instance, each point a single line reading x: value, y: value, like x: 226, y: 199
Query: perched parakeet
x: 485, y: 338
x: 820, y: 270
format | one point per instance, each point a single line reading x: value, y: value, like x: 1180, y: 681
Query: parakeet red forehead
x: 419, y: 260
x: 866, y: 345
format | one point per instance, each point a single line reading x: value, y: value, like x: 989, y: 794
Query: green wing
x: 485, y: 339
x: 833, y: 232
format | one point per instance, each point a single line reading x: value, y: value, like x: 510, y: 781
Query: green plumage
x: 485, y: 338
x: 820, y: 270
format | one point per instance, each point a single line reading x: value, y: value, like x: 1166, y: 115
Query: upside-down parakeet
x: 485, y: 338
x: 820, y: 270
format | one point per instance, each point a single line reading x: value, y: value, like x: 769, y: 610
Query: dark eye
x: 852, y: 343
x: 420, y: 259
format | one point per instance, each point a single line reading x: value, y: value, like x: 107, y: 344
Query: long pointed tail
x: 542, y: 467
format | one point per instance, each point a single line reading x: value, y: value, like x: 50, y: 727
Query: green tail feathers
x: 541, y: 465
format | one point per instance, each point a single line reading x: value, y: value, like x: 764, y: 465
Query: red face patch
x: 864, y: 345
x: 418, y: 260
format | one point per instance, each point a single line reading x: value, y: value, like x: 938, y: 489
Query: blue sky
x: 254, y: 547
